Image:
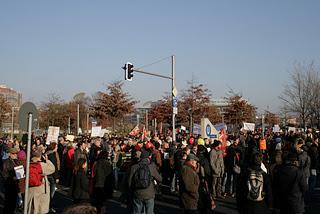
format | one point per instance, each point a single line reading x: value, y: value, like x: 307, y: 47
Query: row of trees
x: 110, y: 108
x: 196, y: 103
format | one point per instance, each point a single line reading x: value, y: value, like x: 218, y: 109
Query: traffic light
x: 130, y: 71
x: 128, y: 74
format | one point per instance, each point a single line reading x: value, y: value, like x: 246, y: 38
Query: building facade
x: 15, y: 101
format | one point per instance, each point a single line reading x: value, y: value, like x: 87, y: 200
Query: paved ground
x: 167, y: 204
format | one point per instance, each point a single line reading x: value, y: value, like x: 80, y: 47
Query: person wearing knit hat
x: 10, y: 183
x: 200, y: 141
x: 141, y: 182
x: 190, y: 185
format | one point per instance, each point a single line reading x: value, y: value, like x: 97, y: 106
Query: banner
x: 248, y: 126
x: 220, y: 126
x: 53, y: 134
x: 263, y: 144
x: 134, y: 131
x: 196, y: 129
x: 208, y: 130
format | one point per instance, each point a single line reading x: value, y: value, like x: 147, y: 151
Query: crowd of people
x: 278, y: 176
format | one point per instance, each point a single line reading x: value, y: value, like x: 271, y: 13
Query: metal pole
x: 12, y: 123
x: 147, y: 122
x: 138, y: 119
x: 25, y: 211
x: 87, y: 123
x: 173, y: 96
x: 78, y: 118
x: 69, y: 125
x: 155, y: 125
x: 262, y: 124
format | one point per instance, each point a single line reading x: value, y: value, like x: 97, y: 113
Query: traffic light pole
x: 173, y: 91
x: 173, y: 73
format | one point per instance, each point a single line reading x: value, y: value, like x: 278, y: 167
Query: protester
x: 102, y: 181
x: 81, y: 209
x: 141, y: 182
x: 11, y: 184
x: 290, y: 184
x: 80, y: 183
x: 39, y: 195
x: 217, y: 165
x: 81, y: 151
x: 254, y: 191
x: 190, y: 185
x: 53, y: 179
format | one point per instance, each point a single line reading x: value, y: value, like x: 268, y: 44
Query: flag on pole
x: 144, y: 133
x: 134, y: 131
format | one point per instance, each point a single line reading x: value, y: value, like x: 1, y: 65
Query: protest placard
x: 53, y: 134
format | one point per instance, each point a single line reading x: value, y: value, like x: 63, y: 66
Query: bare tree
x: 301, y: 93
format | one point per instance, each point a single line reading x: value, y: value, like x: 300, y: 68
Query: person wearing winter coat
x: 80, y: 183
x: 289, y: 186
x: 102, y: 181
x: 303, y: 158
x: 190, y: 185
x: 217, y: 165
x: 81, y: 151
x: 231, y: 160
x: 53, y: 179
x: 11, y: 184
x: 254, y: 190
x: 144, y: 197
x: 39, y: 196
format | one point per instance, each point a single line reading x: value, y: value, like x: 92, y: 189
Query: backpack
x: 35, y: 174
x: 255, y: 185
x: 142, y: 177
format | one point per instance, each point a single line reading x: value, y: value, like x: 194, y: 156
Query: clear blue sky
x: 70, y: 46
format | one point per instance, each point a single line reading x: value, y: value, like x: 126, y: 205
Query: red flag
x: 144, y: 133
x: 135, y: 131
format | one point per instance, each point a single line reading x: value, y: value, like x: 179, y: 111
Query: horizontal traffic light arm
x: 152, y: 74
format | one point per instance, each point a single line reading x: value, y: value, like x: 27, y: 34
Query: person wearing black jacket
x: 10, y: 182
x: 80, y: 184
x: 53, y: 156
x: 232, y: 158
x: 290, y: 184
x: 102, y: 181
x: 247, y: 202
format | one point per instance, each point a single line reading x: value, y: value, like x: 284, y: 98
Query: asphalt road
x: 166, y: 204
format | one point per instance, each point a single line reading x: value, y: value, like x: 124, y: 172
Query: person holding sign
x: 11, y: 183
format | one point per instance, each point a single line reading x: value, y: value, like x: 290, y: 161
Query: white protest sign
x: 103, y: 132
x: 95, y: 132
x: 248, y: 126
x: 292, y: 129
x: 276, y: 128
x: 53, y: 134
x: 19, y: 170
x: 70, y: 138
